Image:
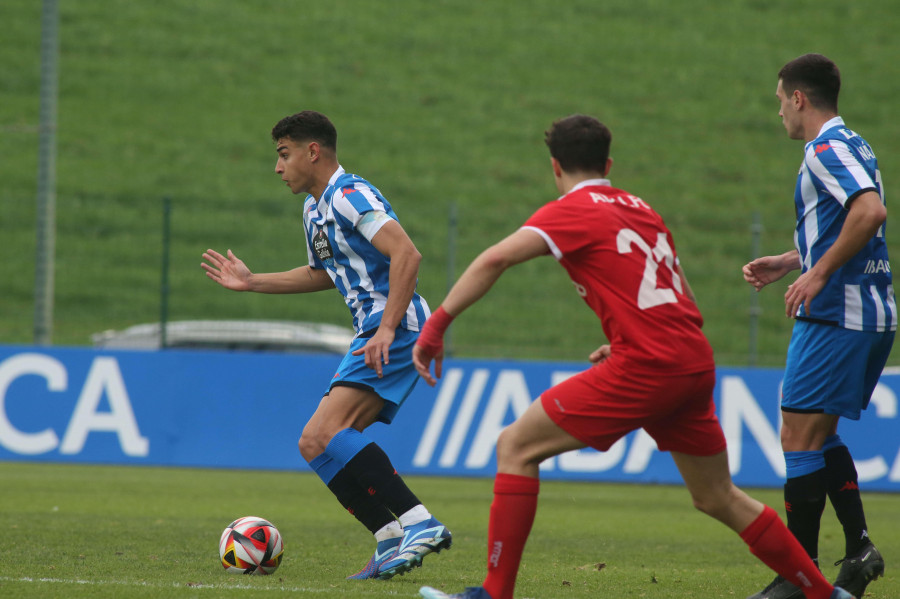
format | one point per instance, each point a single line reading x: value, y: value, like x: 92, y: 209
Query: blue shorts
x: 399, y: 376
x: 833, y: 370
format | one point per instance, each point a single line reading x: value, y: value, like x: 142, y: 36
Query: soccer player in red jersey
x: 656, y: 373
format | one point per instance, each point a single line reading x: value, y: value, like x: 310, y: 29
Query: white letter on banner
x: 437, y: 418
x: 510, y: 389
x: 641, y: 451
x: 464, y: 418
x: 885, y: 402
x: 104, y: 376
x: 20, y: 365
x: 738, y: 407
x: 894, y: 476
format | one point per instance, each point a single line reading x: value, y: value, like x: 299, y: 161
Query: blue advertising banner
x: 246, y: 410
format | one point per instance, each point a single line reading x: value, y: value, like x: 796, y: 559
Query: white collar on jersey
x: 318, y: 210
x: 586, y: 183
x: 334, y: 177
x: 331, y: 181
x: 835, y: 122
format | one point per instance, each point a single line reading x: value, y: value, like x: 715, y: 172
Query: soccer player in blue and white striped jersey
x: 355, y: 244
x: 845, y: 311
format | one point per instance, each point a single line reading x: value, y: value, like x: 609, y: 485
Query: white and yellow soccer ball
x: 251, y: 545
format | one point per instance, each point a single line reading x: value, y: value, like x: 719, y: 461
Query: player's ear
x: 313, y: 151
x: 557, y: 169
x: 609, y: 163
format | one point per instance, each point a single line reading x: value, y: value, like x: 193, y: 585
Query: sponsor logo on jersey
x: 877, y: 266
x: 322, y: 247
x: 822, y: 148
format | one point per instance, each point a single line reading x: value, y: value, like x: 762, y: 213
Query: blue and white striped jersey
x: 839, y: 165
x: 339, y: 228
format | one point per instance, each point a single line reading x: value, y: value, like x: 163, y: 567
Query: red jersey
x: 621, y: 258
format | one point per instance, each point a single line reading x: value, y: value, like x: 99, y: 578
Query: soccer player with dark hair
x: 656, y: 373
x: 846, y: 316
x: 355, y: 244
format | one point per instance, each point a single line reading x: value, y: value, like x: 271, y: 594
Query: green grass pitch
x: 73, y: 531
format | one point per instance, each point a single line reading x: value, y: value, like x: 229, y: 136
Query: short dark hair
x: 308, y: 125
x: 579, y: 143
x: 816, y: 76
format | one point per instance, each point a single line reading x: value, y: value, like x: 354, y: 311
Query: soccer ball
x: 251, y: 545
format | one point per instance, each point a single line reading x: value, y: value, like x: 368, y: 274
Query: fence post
x: 46, y: 182
x: 756, y: 229
x: 451, y: 265
x: 164, y: 283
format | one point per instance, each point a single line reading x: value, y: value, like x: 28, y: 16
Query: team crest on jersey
x: 322, y: 247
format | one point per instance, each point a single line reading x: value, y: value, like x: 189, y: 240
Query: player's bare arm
x: 230, y: 272
x: 483, y: 272
x: 865, y: 216
x: 474, y: 283
x: 392, y: 241
x: 768, y: 269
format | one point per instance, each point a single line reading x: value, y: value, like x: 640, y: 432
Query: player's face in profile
x: 789, y: 116
x: 294, y: 164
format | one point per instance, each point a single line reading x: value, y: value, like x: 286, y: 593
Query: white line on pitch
x: 188, y: 585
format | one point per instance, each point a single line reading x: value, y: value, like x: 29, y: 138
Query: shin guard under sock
x: 804, y: 500
x: 804, y: 497
x: 512, y: 515
x: 351, y: 495
x: 771, y: 541
x: 842, y: 484
x: 372, y: 469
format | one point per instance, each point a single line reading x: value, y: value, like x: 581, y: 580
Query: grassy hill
x: 443, y: 106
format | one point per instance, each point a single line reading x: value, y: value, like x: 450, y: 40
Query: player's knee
x: 715, y: 502
x: 797, y: 440
x: 310, y: 447
x: 704, y: 504
x: 512, y: 450
x: 505, y: 447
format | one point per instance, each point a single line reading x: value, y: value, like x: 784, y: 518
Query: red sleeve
x: 561, y: 227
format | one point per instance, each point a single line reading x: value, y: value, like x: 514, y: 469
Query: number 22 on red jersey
x: 649, y: 295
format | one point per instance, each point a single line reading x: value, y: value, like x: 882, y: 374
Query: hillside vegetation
x: 442, y: 105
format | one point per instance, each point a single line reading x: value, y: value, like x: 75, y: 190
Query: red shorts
x: 604, y: 403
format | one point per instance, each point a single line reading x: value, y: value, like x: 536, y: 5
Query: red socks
x: 771, y: 541
x: 512, y: 514
x: 515, y: 504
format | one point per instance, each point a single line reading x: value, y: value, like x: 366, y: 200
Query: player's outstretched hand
x: 228, y: 271
x: 430, y: 345
x: 422, y: 358
x: 765, y: 270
